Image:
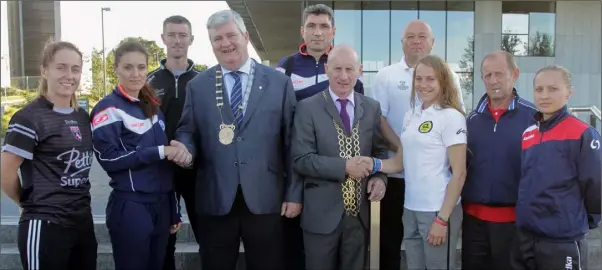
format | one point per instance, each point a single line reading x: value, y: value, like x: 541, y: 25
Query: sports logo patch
x: 99, y: 118
x: 425, y: 127
x: 76, y: 133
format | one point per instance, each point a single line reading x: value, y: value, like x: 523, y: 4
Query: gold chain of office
x: 349, y: 146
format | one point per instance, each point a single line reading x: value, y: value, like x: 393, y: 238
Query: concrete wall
x: 577, y: 48
x: 31, y: 25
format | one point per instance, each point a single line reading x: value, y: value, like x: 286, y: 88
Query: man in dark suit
x: 332, y: 129
x: 237, y: 124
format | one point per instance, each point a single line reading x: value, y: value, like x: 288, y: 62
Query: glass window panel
x: 460, y: 40
x: 366, y: 79
x: 348, y: 23
x: 375, y: 45
x: 515, y: 24
x: 436, y: 19
x: 401, y: 14
x: 515, y: 44
x: 542, y: 34
x: 467, y: 84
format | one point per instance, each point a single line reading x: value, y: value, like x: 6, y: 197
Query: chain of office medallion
x: 349, y: 146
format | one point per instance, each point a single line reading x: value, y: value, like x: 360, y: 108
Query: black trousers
x: 261, y: 236
x: 486, y: 245
x: 48, y: 246
x: 185, y: 182
x: 391, y: 225
x: 535, y: 253
x: 294, y: 252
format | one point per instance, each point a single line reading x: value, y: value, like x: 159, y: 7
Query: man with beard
x: 392, y: 87
x: 170, y: 81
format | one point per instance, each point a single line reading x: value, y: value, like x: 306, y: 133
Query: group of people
x: 288, y: 159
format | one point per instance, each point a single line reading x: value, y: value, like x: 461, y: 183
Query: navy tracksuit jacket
x: 559, y: 191
x: 142, y: 206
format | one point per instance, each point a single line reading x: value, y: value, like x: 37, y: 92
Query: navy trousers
x: 139, y: 229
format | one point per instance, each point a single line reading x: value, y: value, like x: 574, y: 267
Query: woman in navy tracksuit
x: 131, y: 145
x: 559, y: 191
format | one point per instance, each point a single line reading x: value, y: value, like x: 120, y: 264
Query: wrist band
x: 377, y: 166
x: 440, y: 221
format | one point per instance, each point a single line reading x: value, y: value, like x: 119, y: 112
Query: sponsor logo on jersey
x: 425, y: 127
x: 81, y: 162
x: 100, y: 118
x: 76, y: 133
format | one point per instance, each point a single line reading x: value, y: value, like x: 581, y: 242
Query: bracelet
x: 377, y: 166
x: 440, y: 221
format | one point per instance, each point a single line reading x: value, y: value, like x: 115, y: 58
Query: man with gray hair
x: 332, y: 130
x: 237, y: 124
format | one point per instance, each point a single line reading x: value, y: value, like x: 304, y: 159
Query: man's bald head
x: 417, y: 40
x: 418, y: 26
x: 343, y: 69
x: 502, y: 56
x: 345, y: 51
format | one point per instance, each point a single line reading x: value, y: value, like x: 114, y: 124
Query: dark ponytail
x: 148, y: 101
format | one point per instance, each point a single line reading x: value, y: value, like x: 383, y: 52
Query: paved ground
x: 100, y: 192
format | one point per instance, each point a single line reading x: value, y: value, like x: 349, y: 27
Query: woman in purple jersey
x: 50, y: 141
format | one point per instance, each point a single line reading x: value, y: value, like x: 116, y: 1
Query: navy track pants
x: 139, y: 229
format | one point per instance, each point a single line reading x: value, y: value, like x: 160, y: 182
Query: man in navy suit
x: 237, y: 123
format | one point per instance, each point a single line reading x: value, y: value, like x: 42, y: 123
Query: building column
x: 487, y: 37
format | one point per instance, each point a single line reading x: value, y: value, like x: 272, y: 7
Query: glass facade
x: 529, y: 28
x: 375, y: 28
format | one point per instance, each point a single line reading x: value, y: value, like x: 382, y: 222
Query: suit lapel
x: 226, y: 112
x: 359, y: 109
x: 258, y: 88
x: 331, y: 108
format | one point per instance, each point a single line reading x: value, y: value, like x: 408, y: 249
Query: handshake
x: 359, y: 167
x: 178, y: 154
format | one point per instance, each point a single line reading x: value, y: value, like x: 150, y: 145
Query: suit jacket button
x: 235, y: 164
x: 239, y: 139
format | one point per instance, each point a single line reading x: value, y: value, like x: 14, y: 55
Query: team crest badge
x: 425, y: 127
x: 76, y: 133
x: 402, y: 85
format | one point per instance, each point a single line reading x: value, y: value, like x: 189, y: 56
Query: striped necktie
x: 236, y: 97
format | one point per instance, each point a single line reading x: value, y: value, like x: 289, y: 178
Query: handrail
x: 593, y: 109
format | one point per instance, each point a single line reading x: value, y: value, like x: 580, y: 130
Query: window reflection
x: 401, y: 14
x: 366, y: 79
x: 375, y: 44
x: 528, y: 27
x: 434, y: 14
x: 348, y: 23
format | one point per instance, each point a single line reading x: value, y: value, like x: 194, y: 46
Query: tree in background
x: 541, y: 44
x: 200, y: 67
x: 467, y: 65
x: 510, y: 43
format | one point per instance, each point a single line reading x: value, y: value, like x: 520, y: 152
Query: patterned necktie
x: 344, y: 115
x: 236, y: 97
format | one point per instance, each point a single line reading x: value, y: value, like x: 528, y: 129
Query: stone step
x: 9, y: 229
x: 187, y: 257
